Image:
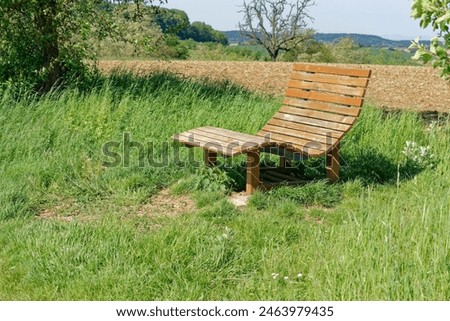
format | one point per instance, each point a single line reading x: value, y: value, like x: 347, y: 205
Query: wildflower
x: 420, y: 155
x: 299, y: 275
x: 274, y: 275
x: 432, y: 126
x: 424, y: 151
x: 227, y: 235
x: 286, y: 278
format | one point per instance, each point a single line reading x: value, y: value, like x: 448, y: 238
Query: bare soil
x: 391, y: 87
x: 240, y: 200
x: 164, y: 204
x: 161, y: 204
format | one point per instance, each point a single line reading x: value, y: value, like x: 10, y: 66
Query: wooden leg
x: 332, y: 166
x: 282, y: 162
x: 210, y: 158
x: 253, y: 180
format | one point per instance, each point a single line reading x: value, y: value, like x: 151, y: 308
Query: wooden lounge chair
x: 321, y: 105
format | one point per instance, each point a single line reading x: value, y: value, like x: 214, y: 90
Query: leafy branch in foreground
x: 46, y: 42
x: 434, y: 13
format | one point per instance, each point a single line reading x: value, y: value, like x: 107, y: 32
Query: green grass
x: 381, y: 233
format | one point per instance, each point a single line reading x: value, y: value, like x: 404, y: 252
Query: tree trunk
x: 274, y: 55
x: 47, y: 26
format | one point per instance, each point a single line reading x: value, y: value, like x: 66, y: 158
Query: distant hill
x: 234, y: 37
x: 363, y: 40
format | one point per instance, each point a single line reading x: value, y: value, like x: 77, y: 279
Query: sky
x: 387, y: 18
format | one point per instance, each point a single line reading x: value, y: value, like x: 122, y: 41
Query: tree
x: 46, y: 42
x: 277, y: 25
x: 144, y: 35
x: 172, y: 21
x: 310, y: 51
x: 202, y: 32
x: 437, y: 14
x: 176, y: 22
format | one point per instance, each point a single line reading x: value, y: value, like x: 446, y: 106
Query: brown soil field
x: 390, y: 87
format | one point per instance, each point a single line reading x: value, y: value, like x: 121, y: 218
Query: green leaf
x: 445, y: 18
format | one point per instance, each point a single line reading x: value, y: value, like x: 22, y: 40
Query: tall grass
x: 382, y: 233
x: 51, y: 146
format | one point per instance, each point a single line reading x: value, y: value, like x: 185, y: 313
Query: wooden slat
x: 232, y: 134
x: 213, y: 138
x: 332, y: 70
x: 272, y: 178
x: 283, y: 176
x: 305, y: 128
x: 331, y: 88
x: 199, y: 140
x: 268, y: 186
x: 313, y: 122
x: 330, y: 140
x: 318, y: 115
x: 315, y: 105
x: 307, y: 150
x: 206, y: 143
x: 325, y: 97
x: 230, y: 142
x: 298, y: 142
x: 330, y: 79
x: 217, y: 148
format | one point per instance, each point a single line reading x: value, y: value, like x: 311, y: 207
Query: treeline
x: 345, y: 50
x: 157, y: 33
x: 176, y: 22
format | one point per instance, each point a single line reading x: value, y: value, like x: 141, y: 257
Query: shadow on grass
x: 368, y: 166
x: 372, y: 167
x: 126, y: 83
x: 427, y: 117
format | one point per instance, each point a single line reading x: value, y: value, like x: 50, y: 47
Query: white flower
x: 299, y: 275
x: 286, y: 278
x: 418, y: 154
x: 432, y: 126
x: 424, y: 151
x: 274, y: 275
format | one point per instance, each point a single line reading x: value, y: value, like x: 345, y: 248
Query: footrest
x: 221, y: 141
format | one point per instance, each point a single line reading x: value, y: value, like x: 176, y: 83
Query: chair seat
x: 221, y: 141
x: 232, y: 143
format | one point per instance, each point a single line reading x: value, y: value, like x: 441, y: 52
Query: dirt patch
x: 165, y: 204
x: 392, y: 87
x: 61, y: 212
x: 240, y: 200
x: 162, y: 204
x: 316, y: 220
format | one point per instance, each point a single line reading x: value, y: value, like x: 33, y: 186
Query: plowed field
x: 392, y: 87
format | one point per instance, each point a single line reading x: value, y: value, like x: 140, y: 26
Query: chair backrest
x: 321, y: 105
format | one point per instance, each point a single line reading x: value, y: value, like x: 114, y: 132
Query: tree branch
x: 278, y: 25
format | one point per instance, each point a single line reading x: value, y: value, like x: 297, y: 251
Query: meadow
x: 75, y: 229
